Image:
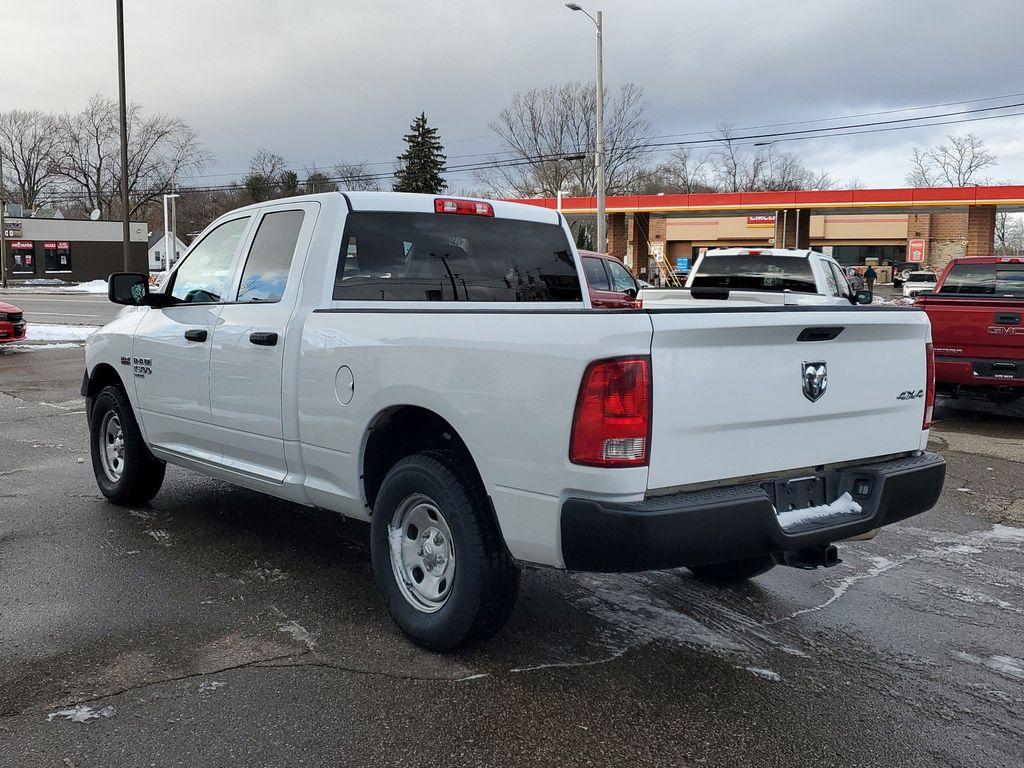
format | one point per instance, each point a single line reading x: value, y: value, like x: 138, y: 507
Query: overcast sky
x: 320, y: 81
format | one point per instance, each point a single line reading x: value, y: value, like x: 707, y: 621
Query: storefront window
x: 22, y: 257
x: 57, y: 256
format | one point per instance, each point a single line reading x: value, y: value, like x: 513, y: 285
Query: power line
x: 773, y: 137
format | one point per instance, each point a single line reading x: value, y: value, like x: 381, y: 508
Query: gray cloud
x: 321, y: 81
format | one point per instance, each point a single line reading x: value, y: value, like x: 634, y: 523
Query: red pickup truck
x: 977, y: 316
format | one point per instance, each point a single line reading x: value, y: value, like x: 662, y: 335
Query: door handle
x: 1007, y: 318
x: 195, y: 334
x: 263, y: 338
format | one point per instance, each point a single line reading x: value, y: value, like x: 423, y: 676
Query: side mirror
x: 128, y: 288
x: 863, y: 297
x: 630, y: 292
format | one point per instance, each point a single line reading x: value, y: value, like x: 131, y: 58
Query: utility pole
x: 3, y: 227
x: 600, y: 244
x: 125, y: 223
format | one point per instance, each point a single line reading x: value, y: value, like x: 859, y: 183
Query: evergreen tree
x: 421, y: 165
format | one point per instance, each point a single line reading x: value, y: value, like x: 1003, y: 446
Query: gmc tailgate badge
x: 815, y: 376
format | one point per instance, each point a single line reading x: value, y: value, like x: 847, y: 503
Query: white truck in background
x: 432, y: 365
x: 772, y: 276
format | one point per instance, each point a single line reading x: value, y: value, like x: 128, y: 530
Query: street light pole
x: 600, y: 243
x: 3, y: 227
x: 125, y: 223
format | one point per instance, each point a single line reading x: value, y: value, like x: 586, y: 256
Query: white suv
x: 918, y: 282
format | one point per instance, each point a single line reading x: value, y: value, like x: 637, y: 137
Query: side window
x: 270, y: 257
x: 203, y: 276
x: 841, y: 282
x: 622, y: 281
x: 596, y: 275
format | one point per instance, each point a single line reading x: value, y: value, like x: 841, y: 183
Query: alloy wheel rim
x: 422, y: 553
x: 111, y: 445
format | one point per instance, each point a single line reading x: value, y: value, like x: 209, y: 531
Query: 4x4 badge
x: 815, y: 380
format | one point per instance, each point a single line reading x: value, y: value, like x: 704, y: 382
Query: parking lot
x: 217, y: 626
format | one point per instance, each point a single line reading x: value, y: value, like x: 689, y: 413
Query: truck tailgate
x: 729, y: 398
x: 972, y: 327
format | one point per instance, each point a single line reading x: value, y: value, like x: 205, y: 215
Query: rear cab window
x: 985, y: 280
x: 755, y: 272
x: 399, y: 256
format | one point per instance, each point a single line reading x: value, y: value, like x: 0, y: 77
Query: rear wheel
x: 733, y: 571
x: 126, y: 472
x: 438, y: 558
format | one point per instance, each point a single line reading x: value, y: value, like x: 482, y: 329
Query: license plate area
x: 799, y: 493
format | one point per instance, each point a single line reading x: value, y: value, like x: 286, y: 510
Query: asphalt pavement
x: 219, y: 627
x: 62, y: 309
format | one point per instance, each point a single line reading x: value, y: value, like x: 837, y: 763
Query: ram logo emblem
x: 815, y: 380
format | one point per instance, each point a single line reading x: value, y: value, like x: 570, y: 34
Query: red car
x: 611, y: 284
x: 977, y: 316
x: 12, y: 323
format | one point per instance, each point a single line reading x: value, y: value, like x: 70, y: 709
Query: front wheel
x: 126, y: 472
x: 733, y: 571
x: 438, y: 557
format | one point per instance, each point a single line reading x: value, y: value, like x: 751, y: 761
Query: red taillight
x: 612, y: 423
x: 929, y: 385
x: 468, y: 207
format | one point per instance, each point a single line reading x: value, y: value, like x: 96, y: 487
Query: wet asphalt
x: 220, y: 627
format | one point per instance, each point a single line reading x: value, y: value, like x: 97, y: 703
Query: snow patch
x: 298, y: 633
x: 765, y: 674
x: 40, y: 347
x: 1004, y: 665
x: 160, y: 535
x: 81, y: 713
x: 844, y: 505
x: 1004, y: 533
x: 210, y: 685
x: 46, y: 332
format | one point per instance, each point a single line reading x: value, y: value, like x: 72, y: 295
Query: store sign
x: 62, y: 246
x: 21, y: 244
x: 13, y: 229
x: 761, y: 221
x: 50, y: 246
x: 682, y: 264
x: 915, y: 251
x: 658, y: 252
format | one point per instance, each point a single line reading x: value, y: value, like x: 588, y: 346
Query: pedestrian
x: 870, y: 276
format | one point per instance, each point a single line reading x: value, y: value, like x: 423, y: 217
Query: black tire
x: 141, y: 474
x: 485, y: 584
x: 735, y: 571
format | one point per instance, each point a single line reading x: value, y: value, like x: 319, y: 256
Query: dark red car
x: 977, y: 316
x: 12, y: 323
x: 611, y: 284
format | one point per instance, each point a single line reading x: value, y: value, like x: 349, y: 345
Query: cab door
x: 171, y: 355
x: 250, y: 342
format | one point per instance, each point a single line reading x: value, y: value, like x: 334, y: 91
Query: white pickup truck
x: 761, y: 276
x: 431, y: 365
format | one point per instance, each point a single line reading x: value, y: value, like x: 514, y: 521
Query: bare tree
x: 1009, y: 234
x: 685, y: 171
x: 957, y: 162
x: 549, y: 134
x: 356, y: 177
x: 28, y: 141
x: 762, y: 169
x: 160, y: 148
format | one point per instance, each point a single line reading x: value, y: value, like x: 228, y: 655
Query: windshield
x: 917, y: 277
x: 755, y: 273
x: 986, y: 280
